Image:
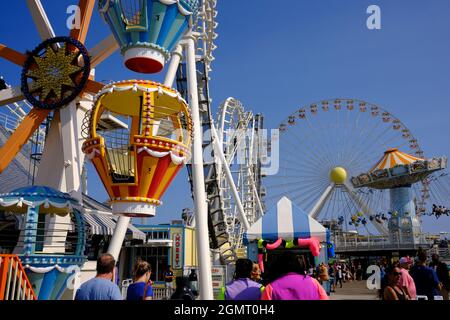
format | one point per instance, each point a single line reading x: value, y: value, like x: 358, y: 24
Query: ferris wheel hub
x: 338, y: 175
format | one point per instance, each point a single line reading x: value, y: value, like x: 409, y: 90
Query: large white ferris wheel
x: 323, y: 145
x: 238, y: 131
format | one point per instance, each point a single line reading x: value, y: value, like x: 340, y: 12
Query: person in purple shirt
x: 242, y: 287
x: 102, y: 286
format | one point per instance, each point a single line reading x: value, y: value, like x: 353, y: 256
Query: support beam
x: 86, y: 10
x: 103, y: 50
x: 119, y: 235
x: 40, y: 19
x: 94, y: 86
x: 321, y: 202
x: 13, y: 56
x: 21, y: 136
x: 51, y: 167
x: 200, y: 204
x: 365, y: 209
x: 218, y: 150
x: 177, y: 55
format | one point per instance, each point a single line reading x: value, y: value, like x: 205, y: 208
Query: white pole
x: 177, y: 55
x: 119, y: 235
x: 321, y: 202
x: 200, y: 204
x: 229, y: 176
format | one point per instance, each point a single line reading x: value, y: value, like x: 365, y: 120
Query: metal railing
x: 352, y: 243
x: 158, y: 293
x: 14, y: 283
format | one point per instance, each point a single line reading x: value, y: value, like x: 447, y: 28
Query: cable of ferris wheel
x: 305, y: 162
x: 298, y: 145
x: 312, y: 194
x: 306, y: 139
x: 368, y: 146
x: 294, y: 196
x: 361, y: 133
x: 300, y: 192
x: 326, y: 145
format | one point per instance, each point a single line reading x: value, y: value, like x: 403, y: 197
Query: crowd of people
x: 289, y: 278
x: 103, y: 287
x: 406, y: 280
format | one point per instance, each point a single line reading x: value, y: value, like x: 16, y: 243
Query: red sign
x: 177, y: 260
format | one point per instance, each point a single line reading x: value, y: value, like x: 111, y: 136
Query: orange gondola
x: 138, y: 138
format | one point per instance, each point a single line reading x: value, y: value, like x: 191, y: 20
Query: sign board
x: 218, y: 279
x: 177, y: 261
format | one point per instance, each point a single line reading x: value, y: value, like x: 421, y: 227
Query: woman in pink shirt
x: 291, y: 281
x: 406, y: 281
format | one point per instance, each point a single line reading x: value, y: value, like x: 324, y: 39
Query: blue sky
x: 312, y: 50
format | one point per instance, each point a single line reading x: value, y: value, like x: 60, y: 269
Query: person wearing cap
x: 406, y: 281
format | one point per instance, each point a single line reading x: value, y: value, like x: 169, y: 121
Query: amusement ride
x: 139, y: 134
x: 340, y: 139
x: 138, y: 150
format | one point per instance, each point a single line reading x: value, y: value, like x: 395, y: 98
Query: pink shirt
x: 407, y: 281
x: 294, y: 287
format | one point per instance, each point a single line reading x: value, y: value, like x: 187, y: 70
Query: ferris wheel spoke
x: 365, y: 144
x: 302, y: 191
x: 40, y: 19
x: 103, y: 50
x: 310, y: 149
x: 12, y: 55
x: 377, y: 138
x: 86, y: 10
x: 303, y: 181
x: 351, y: 132
x: 366, y: 134
x: 371, y: 149
x: 304, y: 165
x: 327, y: 145
x: 310, y: 197
x: 315, y: 133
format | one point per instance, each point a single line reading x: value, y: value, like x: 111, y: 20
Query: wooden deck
x: 354, y: 290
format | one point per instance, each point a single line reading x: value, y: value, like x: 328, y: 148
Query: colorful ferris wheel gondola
x: 138, y: 160
x: 148, y: 30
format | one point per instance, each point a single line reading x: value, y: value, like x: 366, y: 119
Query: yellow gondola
x: 139, y: 137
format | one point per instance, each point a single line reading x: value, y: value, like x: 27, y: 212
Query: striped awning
x: 393, y: 158
x: 286, y: 221
x: 104, y: 224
